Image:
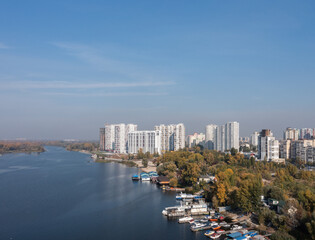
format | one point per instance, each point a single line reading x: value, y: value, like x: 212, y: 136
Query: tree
x: 140, y: 154
x: 145, y: 162
x: 173, y: 182
x: 281, y: 235
x: 221, y: 193
x: 190, y: 173
x: 233, y: 151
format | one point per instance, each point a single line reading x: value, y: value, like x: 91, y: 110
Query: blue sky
x: 66, y: 67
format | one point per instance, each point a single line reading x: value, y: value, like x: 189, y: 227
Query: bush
x: 145, y: 162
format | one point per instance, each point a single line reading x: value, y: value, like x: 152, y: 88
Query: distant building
x: 268, y: 146
x: 148, y: 141
x: 299, y: 134
x: 172, y: 136
x: 303, y: 150
x: 196, y: 139
x: 254, y: 139
x: 211, y: 136
x: 291, y: 134
x: 285, y: 149
x: 102, y: 139
x: 222, y: 138
x: 115, y: 136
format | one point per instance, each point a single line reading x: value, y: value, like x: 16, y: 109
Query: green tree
x: 145, y: 162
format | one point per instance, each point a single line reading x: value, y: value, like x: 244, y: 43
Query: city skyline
x: 66, y: 67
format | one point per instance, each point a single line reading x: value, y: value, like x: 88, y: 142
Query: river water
x: 64, y: 195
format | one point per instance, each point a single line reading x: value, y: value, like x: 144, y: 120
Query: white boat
x: 145, y: 179
x: 236, y: 227
x: 197, y: 226
x: 209, y: 233
x: 176, y: 211
x: 215, y: 236
x: 185, y: 220
x: 182, y: 196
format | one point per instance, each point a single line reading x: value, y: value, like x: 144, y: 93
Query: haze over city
x: 67, y: 68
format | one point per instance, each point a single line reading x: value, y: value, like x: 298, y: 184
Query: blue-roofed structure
x: 235, y: 235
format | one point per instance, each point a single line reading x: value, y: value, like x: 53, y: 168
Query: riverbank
x: 7, y: 147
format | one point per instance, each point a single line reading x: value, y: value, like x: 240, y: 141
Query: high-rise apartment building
x: 302, y: 149
x: 254, y: 139
x: 268, y: 146
x: 148, y: 141
x: 102, y: 139
x: 211, y: 136
x: 116, y: 137
x: 291, y: 134
x: 299, y: 134
x: 172, y: 136
x: 232, y: 135
x: 222, y: 138
x: 196, y: 139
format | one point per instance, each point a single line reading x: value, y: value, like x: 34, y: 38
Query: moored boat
x: 215, y: 236
x: 185, y: 220
x: 209, y: 233
x: 135, y: 177
x: 198, y: 226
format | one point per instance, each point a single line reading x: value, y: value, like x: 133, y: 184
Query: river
x: 62, y: 195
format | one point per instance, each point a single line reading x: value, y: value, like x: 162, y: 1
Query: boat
x: 187, y: 209
x: 185, y: 220
x: 224, y: 224
x: 182, y: 196
x: 176, y: 211
x: 213, y: 219
x: 216, y: 227
x: 209, y: 233
x: 198, y: 226
x: 199, y: 209
x: 220, y: 231
x: 236, y: 227
x: 215, y: 236
x: 204, y: 220
x: 135, y: 177
x: 187, y: 196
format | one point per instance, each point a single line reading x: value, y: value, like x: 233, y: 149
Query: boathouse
x: 162, y: 180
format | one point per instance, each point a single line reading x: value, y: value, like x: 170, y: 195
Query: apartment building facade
x: 148, y: 141
x: 172, y: 136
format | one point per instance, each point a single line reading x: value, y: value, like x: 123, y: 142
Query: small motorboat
x: 216, y: 227
x: 209, y: 233
x: 213, y: 219
x: 185, y: 220
x: 135, y: 177
x: 220, y: 231
x: 236, y: 227
x: 197, y: 226
x: 215, y: 236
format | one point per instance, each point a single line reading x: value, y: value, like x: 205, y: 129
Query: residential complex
x: 195, y: 139
x: 119, y: 138
x: 302, y: 149
x: 114, y: 137
x: 148, y: 141
x: 172, y: 136
x: 222, y: 138
x: 254, y: 139
x: 268, y: 146
x: 296, y: 134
